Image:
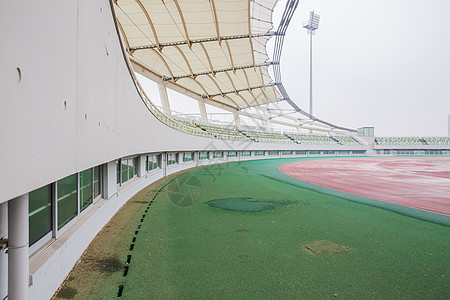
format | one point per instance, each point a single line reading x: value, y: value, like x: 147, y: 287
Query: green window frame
x: 67, y: 199
x: 40, y: 213
x: 187, y: 156
x: 231, y: 154
x: 86, y: 188
x: 246, y: 153
x: 172, y: 159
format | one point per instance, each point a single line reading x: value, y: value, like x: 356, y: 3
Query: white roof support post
x: 268, y: 124
x: 3, y: 255
x: 299, y: 127
x: 18, y: 262
x: 237, y: 120
x: 164, y: 99
x: 203, y: 113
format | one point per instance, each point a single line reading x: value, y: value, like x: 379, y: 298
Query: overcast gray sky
x: 381, y: 63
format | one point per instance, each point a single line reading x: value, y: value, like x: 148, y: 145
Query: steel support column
x: 18, y: 262
x: 3, y: 255
x: 164, y: 99
x: 202, y: 108
x: 237, y: 120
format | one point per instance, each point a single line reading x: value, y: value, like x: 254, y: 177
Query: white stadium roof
x: 213, y: 51
x: 213, y: 48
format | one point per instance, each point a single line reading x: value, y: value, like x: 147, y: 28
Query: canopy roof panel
x: 213, y: 48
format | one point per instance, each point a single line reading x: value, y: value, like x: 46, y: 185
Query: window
x: 152, y: 162
x: 131, y: 168
x: 128, y: 168
x: 300, y: 152
x: 172, y: 158
x: 273, y: 153
x: 188, y: 156
x: 85, y: 189
x: 259, y: 153
x: 231, y: 154
x: 314, y: 152
x: 67, y: 199
x: 203, y: 155
x: 124, y: 170
x: 157, y: 161
x: 74, y: 193
x: 217, y: 154
x: 118, y: 171
x: 286, y: 153
x: 359, y: 152
x: 97, y: 182
x: 40, y: 213
x: 327, y: 152
x: 245, y: 153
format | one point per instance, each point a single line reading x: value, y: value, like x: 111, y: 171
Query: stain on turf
x: 67, y: 293
x: 109, y: 265
x: 246, y: 204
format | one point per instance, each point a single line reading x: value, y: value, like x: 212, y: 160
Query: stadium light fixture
x: 311, y: 26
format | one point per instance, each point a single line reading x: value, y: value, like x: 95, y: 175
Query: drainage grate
x: 325, y: 247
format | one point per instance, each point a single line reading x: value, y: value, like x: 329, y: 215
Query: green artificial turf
x: 201, y: 235
x: 195, y: 251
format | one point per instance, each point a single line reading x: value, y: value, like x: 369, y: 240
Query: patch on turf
x: 67, y: 292
x: 243, y: 204
x: 325, y: 247
x: 108, y: 265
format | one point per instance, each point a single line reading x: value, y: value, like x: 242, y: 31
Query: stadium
x: 108, y: 193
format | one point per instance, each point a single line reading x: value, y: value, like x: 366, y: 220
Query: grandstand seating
x: 222, y: 132
x: 398, y: 141
x: 437, y: 140
x: 311, y: 139
x: 267, y: 136
x: 181, y: 125
x: 345, y: 140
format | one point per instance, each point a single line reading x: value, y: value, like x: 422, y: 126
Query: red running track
x: 419, y: 182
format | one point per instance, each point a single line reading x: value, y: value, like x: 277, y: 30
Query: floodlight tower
x: 311, y: 26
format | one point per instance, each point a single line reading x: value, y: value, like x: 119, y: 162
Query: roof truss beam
x: 217, y: 71
x: 212, y: 39
x: 237, y: 91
